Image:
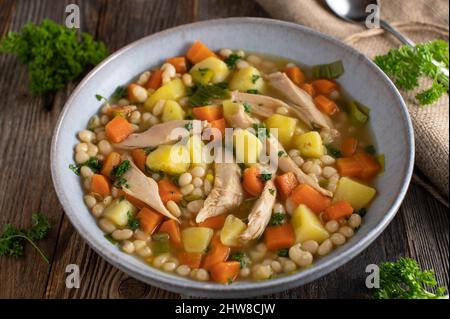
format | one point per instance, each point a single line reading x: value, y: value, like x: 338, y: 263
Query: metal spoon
x: 355, y: 11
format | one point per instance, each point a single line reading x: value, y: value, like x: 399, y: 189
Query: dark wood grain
x: 420, y: 229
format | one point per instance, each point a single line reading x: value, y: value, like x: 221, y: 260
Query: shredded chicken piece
x: 158, y: 134
x: 240, y: 119
x: 300, y: 100
x: 227, y: 193
x: 286, y: 164
x: 144, y: 188
x: 261, y: 212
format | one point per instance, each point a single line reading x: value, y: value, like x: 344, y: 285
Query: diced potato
x: 171, y: 159
x: 217, y: 66
x: 307, y: 225
x: 196, y: 239
x: 310, y: 144
x: 248, y: 78
x: 196, y: 149
x: 247, y: 146
x: 202, y: 76
x: 118, y: 211
x: 172, y: 90
x: 359, y: 195
x: 172, y: 111
x: 231, y: 230
x: 285, y: 125
x: 230, y: 108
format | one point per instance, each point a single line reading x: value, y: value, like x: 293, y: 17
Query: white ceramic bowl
x: 362, y: 79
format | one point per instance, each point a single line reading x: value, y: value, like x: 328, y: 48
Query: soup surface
x: 229, y: 165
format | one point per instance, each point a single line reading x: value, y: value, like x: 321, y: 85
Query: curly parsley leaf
x: 265, y: 177
x: 133, y: 223
x: 93, y: 163
x: 241, y: 257
x: 407, y: 65
x: 54, y: 54
x: 277, y: 219
x: 333, y: 151
x: 12, y: 239
x: 232, y: 60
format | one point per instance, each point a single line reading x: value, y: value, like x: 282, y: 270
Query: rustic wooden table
x: 420, y: 229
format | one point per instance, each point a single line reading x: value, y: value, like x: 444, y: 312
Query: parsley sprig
x: 407, y: 65
x: 12, y: 239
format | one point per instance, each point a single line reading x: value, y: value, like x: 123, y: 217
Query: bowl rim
x: 247, y: 289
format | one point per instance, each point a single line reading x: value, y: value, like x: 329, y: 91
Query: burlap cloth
x: 421, y: 20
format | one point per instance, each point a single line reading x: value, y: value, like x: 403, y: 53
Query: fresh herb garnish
x: 109, y: 238
x: 118, y: 171
x: 204, y: 94
x: 101, y: 98
x: 407, y: 65
x: 93, y: 163
x: 370, y: 149
x: 119, y: 93
x: 404, y: 279
x: 133, y: 223
x: 277, y: 219
x: 253, y: 91
x: 242, y: 166
x: 75, y: 169
x: 262, y: 132
x: 188, y: 126
x: 281, y: 153
x: 271, y: 191
x: 361, y: 212
x: 284, y: 252
x: 265, y: 177
x: 232, y: 60
x: 241, y: 257
x: 54, y: 54
x: 333, y: 152
x: 11, y: 240
x: 255, y: 77
x: 247, y: 108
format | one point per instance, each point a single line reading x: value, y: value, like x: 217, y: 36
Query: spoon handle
x: 385, y: 25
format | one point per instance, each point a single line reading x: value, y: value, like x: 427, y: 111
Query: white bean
x: 141, y: 235
x: 207, y: 186
x: 81, y: 147
x: 122, y: 234
x: 173, y: 208
x: 135, y: 117
x: 337, y: 239
x: 225, y: 52
x: 160, y: 260
x: 241, y: 64
x: 298, y: 160
x: 278, y: 208
x: 138, y: 244
x: 104, y: 119
x: 240, y: 53
x: 85, y: 171
x: 198, y: 171
x: 106, y: 225
x: 128, y: 247
x: 86, y: 136
x: 81, y: 157
x: 327, y: 160
x: 244, y: 272
x: 325, y: 247
x: 354, y: 221
x: 197, y: 182
x: 187, y: 189
x: 104, y: 147
x: 332, y: 226
x: 202, y: 275
x: 195, y: 205
x: 299, y: 256
x: 197, y: 192
x: 139, y: 93
x: 92, y: 150
x: 346, y: 231
x: 311, y: 246
x: 290, y: 207
x: 90, y: 200
x: 183, y: 270
x: 276, y: 266
x: 253, y: 59
x: 261, y: 272
x: 144, y: 252
x: 328, y: 171
x: 158, y: 108
x: 294, y: 152
x: 143, y: 78
x: 184, y: 179
x: 289, y: 266
x: 169, y: 266
x: 187, y: 80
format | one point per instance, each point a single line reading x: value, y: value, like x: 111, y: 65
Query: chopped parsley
x: 119, y: 93
x: 265, y: 177
x: 247, y: 108
x: 241, y: 257
x: 370, y: 149
x: 333, y: 151
x: 101, y: 97
x: 361, y: 212
x: 109, y: 238
x: 232, y: 60
x: 117, y: 173
x: 281, y: 153
x: 75, y: 169
x: 284, y: 252
x: 271, y: 191
x: 204, y: 94
x: 188, y: 126
x: 93, y: 163
x: 253, y: 91
x: 277, y: 219
x: 262, y: 132
x: 255, y: 77
x: 133, y: 223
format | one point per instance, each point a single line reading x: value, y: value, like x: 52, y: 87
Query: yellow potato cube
x: 217, y: 66
x: 172, y: 111
x: 172, y: 90
x: 247, y: 146
x: 286, y: 127
x: 196, y: 149
x: 248, y: 78
x: 171, y: 159
x: 232, y: 228
x: 310, y: 144
x: 196, y: 239
x: 118, y: 211
x: 307, y: 225
x: 357, y: 194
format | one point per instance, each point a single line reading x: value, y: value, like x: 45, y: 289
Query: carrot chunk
x: 349, y: 166
x: 179, y: 62
x: 155, y: 80
x: 225, y: 272
x: 169, y: 191
x: 118, y: 129
x: 251, y: 181
x: 220, y: 125
x: 339, y: 210
x: 139, y: 158
x: 172, y: 228
x: 369, y: 164
x: 149, y: 219
x: 305, y: 194
x: 324, y: 86
x: 325, y: 104
x: 280, y: 236
x: 217, y: 253
x: 295, y: 74
x: 349, y: 146
x: 112, y: 160
x: 208, y: 113
x: 100, y: 185
x: 215, y: 222
x: 286, y: 183
x: 308, y: 88
x: 199, y: 52
x: 193, y: 260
